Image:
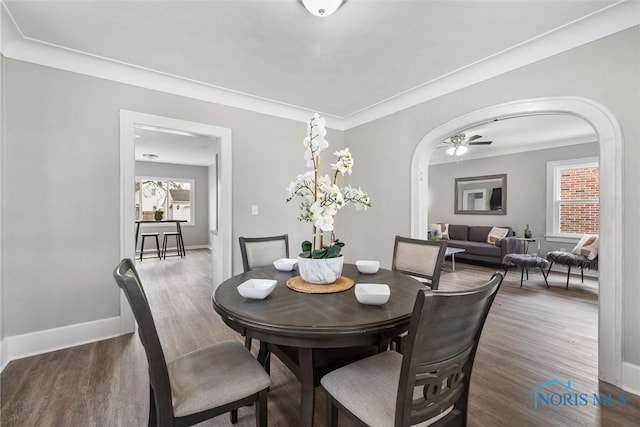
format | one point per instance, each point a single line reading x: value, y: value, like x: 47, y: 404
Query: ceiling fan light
x: 451, y: 151
x: 322, y: 8
x: 461, y: 150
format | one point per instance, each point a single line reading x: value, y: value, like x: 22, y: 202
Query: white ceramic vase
x: 320, y: 271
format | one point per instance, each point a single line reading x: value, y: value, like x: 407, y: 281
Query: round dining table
x: 313, y: 334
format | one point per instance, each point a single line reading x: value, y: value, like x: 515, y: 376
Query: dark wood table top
x: 288, y: 317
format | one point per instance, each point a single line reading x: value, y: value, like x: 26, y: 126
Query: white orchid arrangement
x: 322, y: 198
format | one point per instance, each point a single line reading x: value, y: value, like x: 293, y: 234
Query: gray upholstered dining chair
x: 262, y: 251
x: 430, y: 383
x: 199, y: 385
x: 421, y: 259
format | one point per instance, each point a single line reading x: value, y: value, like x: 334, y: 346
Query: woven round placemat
x: 298, y: 284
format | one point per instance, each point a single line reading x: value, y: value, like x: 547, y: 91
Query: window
x: 573, y: 198
x: 171, y: 195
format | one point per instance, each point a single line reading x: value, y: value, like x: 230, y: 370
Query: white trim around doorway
x: 611, y: 191
x: 221, y: 243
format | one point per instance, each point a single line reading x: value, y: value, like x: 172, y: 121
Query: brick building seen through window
x: 579, y: 200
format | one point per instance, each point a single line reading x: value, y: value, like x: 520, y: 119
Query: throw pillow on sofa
x: 441, y: 230
x: 587, y: 246
x: 496, y: 234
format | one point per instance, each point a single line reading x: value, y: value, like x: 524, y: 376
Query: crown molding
x: 617, y: 17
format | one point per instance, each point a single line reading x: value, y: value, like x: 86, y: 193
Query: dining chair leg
x: 152, y: 408
x: 568, y: 275
x: 233, y: 416
x: 261, y: 409
x: 521, y: 275
x: 264, y: 357
x: 331, y: 411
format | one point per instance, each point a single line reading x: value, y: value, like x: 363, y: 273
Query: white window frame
x: 553, y: 191
x: 192, y: 198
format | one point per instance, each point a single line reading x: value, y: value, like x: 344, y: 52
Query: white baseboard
x: 631, y: 378
x: 169, y: 249
x: 575, y: 272
x: 197, y: 247
x: 4, y: 354
x: 19, y: 346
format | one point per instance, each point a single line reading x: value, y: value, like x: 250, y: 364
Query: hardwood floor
x: 533, y: 334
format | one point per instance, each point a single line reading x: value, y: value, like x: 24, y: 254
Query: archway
x: 610, y: 139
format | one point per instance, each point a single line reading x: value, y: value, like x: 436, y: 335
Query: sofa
x: 473, y: 239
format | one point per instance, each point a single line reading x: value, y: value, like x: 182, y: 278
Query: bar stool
x: 144, y: 236
x: 181, y: 242
x: 179, y: 247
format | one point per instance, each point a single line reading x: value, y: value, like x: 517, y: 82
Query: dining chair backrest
x: 442, y: 342
x: 420, y: 258
x: 128, y: 280
x: 262, y: 251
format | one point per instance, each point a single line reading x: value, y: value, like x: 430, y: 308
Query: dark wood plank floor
x: 533, y: 334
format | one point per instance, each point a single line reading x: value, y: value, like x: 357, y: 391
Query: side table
x: 526, y: 241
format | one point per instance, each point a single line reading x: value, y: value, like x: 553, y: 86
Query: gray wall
x: 194, y: 235
x: 61, y: 155
x: 526, y: 189
x: 61, y: 144
x: 607, y: 71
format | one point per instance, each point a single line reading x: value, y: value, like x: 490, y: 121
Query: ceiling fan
x: 458, y: 144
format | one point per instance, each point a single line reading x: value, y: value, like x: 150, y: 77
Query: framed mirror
x: 481, y: 195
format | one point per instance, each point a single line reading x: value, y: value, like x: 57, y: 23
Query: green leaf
x: 320, y: 253
x: 306, y: 246
x: 305, y: 254
x: 334, y: 251
x: 338, y: 243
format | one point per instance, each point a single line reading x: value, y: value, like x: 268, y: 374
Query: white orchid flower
x: 344, y: 163
x: 324, y: 222
x: 321, y: 197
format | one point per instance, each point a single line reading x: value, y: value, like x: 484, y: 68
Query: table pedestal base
x: 310, y: 365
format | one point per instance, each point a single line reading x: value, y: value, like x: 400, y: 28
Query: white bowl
x: 257, y: 288
x: 285, y: 264
x: 367, y: 267
x: 372, y: 293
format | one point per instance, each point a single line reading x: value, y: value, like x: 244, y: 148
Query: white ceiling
x: 176, y: 148
x: 366, y: 53
x: 518, y: 134
x: 369, y: 59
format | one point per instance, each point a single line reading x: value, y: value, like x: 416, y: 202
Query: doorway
x: 221, y: 244
x: 610, y: 140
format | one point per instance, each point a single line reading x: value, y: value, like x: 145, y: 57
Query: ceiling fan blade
x: 481, y: 143
x: 474, y: 137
